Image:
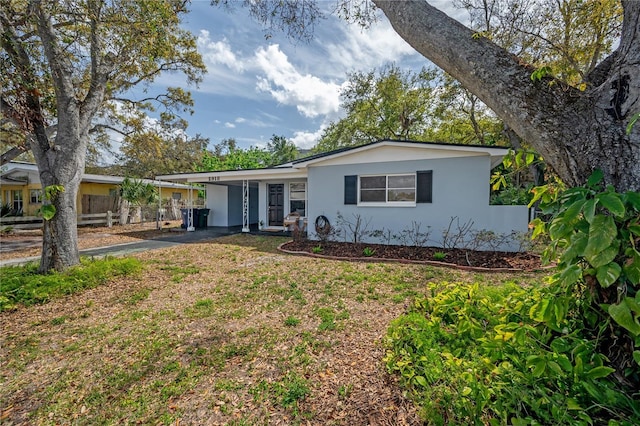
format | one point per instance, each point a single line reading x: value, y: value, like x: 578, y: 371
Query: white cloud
x: 306, y: 140
x: 240, y: 120
x: 229, y: 125
x: 218, y: 52
x: 364, y: 49
x: 309, y: 94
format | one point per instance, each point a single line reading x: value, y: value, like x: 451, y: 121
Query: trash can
x: 203, y: 218
x: 196, y: 218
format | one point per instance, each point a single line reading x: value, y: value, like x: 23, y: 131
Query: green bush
x: 23, y: 285
x: 594, y: 235
x: 475, y: 356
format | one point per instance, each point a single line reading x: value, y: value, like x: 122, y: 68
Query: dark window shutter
x: 424, y: 186
x: 351, y: 189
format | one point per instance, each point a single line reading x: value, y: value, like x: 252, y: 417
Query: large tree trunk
x: 60, y: 234
x: 62, y: 164
x: 576, y: 132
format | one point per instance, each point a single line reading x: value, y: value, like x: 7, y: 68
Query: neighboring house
x: 388, y: 184
x: 20, y: 188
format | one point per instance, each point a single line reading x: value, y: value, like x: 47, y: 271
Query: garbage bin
x: 203, y: 218
x: 196, y: 218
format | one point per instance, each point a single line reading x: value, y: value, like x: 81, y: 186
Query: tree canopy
x: 383, y: 104
x: 226, y: 155
x: 66, y: 63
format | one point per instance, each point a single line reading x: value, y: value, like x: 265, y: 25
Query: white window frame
x: 17, y: 203
x: 38, y: 193
x: 387, y: 203
x: 305, y: 196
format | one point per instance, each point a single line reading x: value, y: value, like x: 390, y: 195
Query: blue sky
x: 256, y: 87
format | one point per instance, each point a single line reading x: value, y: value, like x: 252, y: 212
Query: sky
x: 257, y: 87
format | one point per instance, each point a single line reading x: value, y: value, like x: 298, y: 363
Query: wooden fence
x: 34, y: 222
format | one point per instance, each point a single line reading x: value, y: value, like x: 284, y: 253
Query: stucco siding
x: 460, y: 190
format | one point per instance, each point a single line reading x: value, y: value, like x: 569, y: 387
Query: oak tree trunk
x: 62, y: 163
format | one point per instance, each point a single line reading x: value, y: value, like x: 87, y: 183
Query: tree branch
x: 491, y: 73
x: 61, y: 68
x: 98, y: 127
x: 13, y: 153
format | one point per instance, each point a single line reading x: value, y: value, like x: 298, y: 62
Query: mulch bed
x: 463, y: 259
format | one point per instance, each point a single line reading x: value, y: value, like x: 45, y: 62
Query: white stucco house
x: 390, y: 184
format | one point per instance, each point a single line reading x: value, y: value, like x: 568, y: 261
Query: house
x: 391, y: 186
x: 20, y: 187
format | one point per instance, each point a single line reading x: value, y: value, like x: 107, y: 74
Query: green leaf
x: 634, y: 228
x: 540, y: 73
x: 421, y: 381
x: 636, y: 357
x: 632, y: 122
x: 608, y: 274
x: 595, y: 178
x: 466, y: 391
x: 565, y: 363
x: 605, y: 256
x: 48, y: 211
x: 590, y: 209
x: 570, y: 275
x: 632, y: 268
x: 572, y: 404
x: 539, y: 369
x: 538, y: 312
x: 602, y: 232
x: 599, y: 372
x: 560, y: 227
x: 554, y: 366
x: 574, y: 209
x: 530, y: 158
x: 612, y: 202
x: 622, y: 315
x: 576, y: 247
x: 633, y: 198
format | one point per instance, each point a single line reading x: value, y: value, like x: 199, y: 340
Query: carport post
x: 245, y: 206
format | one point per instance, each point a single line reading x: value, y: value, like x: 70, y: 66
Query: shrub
x: 368, y: 252
x: 476, y: 356
x: 439, y: 255
x: 594, y: 235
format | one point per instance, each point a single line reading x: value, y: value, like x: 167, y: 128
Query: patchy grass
x: 227, y: 332
x: 22, y: 285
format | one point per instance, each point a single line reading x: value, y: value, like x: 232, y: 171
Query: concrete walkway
x: 170, y: 240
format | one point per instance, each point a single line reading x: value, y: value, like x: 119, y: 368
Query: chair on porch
x: 291, y: 222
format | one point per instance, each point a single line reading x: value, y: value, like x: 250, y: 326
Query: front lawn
x: 227, y: 332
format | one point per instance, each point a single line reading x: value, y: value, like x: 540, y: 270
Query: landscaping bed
x: 466, y: 259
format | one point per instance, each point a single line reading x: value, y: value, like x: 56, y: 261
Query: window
x: 298, y: 198
x: 17, y: 200
x: 35, y: 196
x: 396, y: 190
x: 176, y: 195
x: 388, y: 189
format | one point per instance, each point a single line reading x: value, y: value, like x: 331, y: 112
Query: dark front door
x: 276, y: 204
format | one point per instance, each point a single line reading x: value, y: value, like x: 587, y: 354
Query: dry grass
x: 28, y: 243
x: 226, y: 332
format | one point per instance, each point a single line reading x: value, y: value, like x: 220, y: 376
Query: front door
x: 276, y: 204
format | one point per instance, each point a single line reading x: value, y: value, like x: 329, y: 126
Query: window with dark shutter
x: 351, y: 189
x: 425, y: 186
